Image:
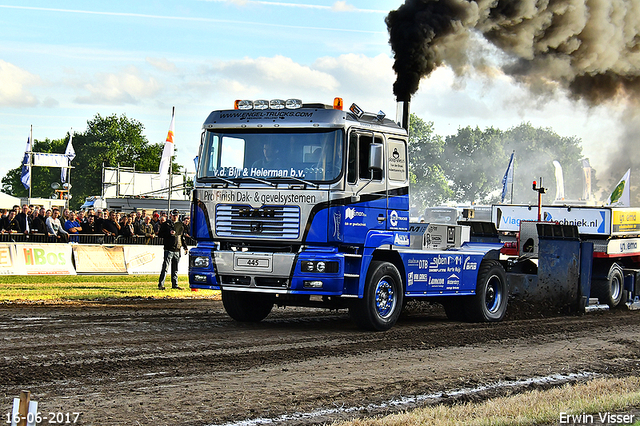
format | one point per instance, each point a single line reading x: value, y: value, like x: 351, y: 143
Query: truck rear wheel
x: 247, y: 307
x: 492, y: 293
x: 610, y: 290
x: 381, y: 305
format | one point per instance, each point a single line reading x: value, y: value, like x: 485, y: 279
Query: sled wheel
x: 610, y: 290
x: 490, y: 300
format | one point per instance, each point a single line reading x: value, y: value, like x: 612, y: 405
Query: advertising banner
x: 95, y: 259
x: 45, y: 259
x: 8, y: 262
x: 626, y: 221
x: 143, y: 259
x: 589, y: 220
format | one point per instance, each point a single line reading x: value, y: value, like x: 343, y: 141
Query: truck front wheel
x: 381, y: 305
x: 247, y: 307
x: 490, y: 300
x: 610, y: 290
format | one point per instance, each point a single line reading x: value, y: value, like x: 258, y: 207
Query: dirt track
x: 184, y: 362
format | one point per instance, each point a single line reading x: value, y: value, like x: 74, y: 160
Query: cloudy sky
x: 61, y: 63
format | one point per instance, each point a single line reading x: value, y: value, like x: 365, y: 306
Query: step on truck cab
x: 308, y: 205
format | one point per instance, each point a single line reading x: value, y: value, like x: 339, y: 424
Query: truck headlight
x: 201, y: 261
x: 319, y: 266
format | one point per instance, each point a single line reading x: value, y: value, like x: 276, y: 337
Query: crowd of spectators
x: 68, y: 226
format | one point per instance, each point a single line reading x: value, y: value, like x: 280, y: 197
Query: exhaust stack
x: 402, y: 114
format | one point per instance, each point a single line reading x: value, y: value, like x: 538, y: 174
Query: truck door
x: 397, y: 177
x: 367, y: 207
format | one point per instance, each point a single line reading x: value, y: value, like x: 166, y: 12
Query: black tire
x: 455, y: 308
x: 610, y: 290
x: 381, y: 305
x: 247, y: 307
x: 492, y: 294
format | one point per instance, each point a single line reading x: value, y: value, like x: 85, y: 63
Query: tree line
x: 466, y: 167
x: 111, y: 141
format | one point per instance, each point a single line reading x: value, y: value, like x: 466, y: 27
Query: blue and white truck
x: 308, y: 205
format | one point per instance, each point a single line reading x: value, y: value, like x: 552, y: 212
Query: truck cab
x: 308, y: 205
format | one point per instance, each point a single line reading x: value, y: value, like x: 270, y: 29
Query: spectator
x: 172, y: 233
x: 39, y: 223
x: 72, y: 226
x: 55, y: 228
x: 155, y: 222
x: 9, y: 224
x: 98, y: 220
x: 110, y: 226
x: 146, y: 229
x: 80, y: 217
x: 89, y: 227
x: 126, y: 229
x: 187, y: 226
x: 24, y: 220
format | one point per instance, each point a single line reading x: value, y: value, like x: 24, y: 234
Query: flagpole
x: 69, y: 171
x: 513, y: 174
x: 30, y: 151
x: 173, y: 113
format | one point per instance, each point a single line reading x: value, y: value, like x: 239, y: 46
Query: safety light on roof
x: 337, y: 103
x: 277, y: 104
x: 293, y: 104
x: 261, y: 104
x: 243, y: 104
x: 356, y: 110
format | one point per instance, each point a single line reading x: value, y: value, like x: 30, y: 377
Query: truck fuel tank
x: 437, y: 236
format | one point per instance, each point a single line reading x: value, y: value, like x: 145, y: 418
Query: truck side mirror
x: 375, y: 157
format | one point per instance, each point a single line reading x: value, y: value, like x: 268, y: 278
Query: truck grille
x: 264, y: 222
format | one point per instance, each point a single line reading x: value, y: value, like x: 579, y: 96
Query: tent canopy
x: 8, y: 201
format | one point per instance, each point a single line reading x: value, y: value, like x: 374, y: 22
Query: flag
x: 69, y: 154
x: 620, y: 195
x: 167, y: 154
x: 25, y: 177
x: 559, y: 181
x: 508, y: 177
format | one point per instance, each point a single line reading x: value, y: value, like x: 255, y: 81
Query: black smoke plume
x: 588, y: 49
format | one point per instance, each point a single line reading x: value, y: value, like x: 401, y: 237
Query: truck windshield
x: 309, y: 155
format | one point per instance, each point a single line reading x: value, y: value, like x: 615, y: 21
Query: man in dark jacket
x: 172, y: 233
x: 24, y: 220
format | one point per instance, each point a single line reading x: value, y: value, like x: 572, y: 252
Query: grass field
x: 83, y: 287
x: 591, y: 402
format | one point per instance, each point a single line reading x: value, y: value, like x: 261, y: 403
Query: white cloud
x: 162, y: 64
x: 277, y: 71
x: 126, y: 87
x: 13, y: 90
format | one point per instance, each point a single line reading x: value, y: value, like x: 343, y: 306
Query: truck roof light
x: 338, y: 103
x: 260, y: 104
x: 277, y: 104
x: 243, y: 104
x: 293, y: 104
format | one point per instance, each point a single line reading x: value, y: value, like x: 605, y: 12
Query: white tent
x: 8, y: 201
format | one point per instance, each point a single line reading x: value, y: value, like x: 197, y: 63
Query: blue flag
x: 508, y: 177
x: 25, y: 177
